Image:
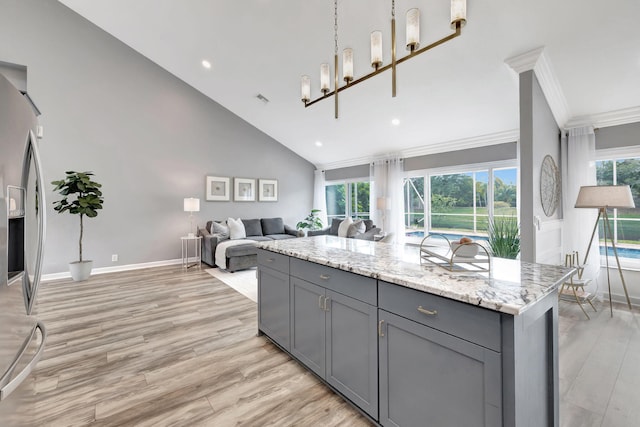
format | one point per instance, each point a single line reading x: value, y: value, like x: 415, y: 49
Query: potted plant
x: 504, y: 237
x: 311, y: 222
x: 80, y: 196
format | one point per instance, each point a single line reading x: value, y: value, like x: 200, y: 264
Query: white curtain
x: 386, y: 196
x: 578, y: 169
x: 320, y: 195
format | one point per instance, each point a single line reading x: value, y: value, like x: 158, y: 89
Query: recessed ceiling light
x: 206, y: 64
x: 318, y: 144
x: 395, y: 122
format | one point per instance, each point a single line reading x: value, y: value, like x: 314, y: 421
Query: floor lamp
x: 602, y: 197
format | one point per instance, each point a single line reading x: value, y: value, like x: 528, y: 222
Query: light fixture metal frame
x: 457, y: 25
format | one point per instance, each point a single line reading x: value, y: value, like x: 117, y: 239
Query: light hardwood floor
x: 160, y: 347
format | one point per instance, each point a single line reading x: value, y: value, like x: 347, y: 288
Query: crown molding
x: 440, y: 147
x: 538, y: 61
x: 603, y: 120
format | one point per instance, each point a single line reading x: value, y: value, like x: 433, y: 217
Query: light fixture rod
x: 386, y: 67
x: 393, y: 57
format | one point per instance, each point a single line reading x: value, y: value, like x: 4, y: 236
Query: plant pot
x: 80, y: 270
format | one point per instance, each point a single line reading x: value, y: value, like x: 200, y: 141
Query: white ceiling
x: 462, y: 89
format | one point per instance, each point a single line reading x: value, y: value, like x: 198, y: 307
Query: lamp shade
x: 191, y: 204
x: 605, y: 196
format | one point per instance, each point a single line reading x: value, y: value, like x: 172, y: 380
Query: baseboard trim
x: 115, y: 269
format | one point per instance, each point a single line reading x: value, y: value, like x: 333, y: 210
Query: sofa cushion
x: 272, y: 226
x: 335, y: 224
x: 241, y: 250
x: 253, y: 227
x: 280, y: 236
x: 220, y: 229
x: 368, y: 225
x: 259, y: 238
x: 236, y: 229
x: 203, y: 232
x: 356, y: 228
x: 344, y: 227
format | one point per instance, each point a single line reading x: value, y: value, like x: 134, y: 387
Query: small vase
x: 80, y: 270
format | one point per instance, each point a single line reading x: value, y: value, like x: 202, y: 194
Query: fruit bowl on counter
x: 465, y: 248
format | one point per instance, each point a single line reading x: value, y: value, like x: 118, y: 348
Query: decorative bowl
x: 467, y: 250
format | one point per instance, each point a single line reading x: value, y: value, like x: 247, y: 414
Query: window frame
x: 488, y: 167
x: 614, y: 155
x: 349, y: 194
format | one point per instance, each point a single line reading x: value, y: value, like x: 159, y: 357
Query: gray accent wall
x: 150, y: 138
x: 490, y: 153
x: 351, y: 172
x: 539, y: 136
x: 618, y: 136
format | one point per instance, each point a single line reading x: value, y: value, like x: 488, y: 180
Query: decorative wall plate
x: 549, y: 185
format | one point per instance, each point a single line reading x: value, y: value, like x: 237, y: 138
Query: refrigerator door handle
x: 10, y: 387
x: 34, y: 152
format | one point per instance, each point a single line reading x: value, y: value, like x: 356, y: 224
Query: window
x: 625, y: 222
x: 348, y: 199
x: 458, y: 203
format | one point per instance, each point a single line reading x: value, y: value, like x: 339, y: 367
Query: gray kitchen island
x: 411, y: 343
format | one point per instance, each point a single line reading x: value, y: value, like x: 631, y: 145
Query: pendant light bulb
x: 347, y: 65
x: 376, y: 49
x: 458, y: 12
x: 305, y: 89
x: 413, y: 29
x: 325, y: 78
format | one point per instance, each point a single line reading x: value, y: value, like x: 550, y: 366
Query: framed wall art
x: 244, y: 190
x: 218, y: 189
x: 268, y: 190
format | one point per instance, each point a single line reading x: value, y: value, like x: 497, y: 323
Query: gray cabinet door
x: 273, y: 305
x: 352, y: 350
x: 430, y: 378
x: 308, y: 324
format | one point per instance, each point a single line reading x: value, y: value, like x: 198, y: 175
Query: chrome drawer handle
x: 270, y: 259
x: 320, y: 306
x: 380, y: 332
x: 325, y: 276
x: 325, y: 308
x: 427, y: 312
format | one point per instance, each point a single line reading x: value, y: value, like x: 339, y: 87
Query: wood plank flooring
x: 160, y: 347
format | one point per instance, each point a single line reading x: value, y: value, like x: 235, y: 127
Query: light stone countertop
x: 510, y: 286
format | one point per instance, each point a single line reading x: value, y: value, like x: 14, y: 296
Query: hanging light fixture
x: 458, y: 20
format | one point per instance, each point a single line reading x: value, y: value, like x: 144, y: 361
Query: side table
x: 189, y: 260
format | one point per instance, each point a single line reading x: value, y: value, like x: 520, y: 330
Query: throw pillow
x: 272, y: 226
x: 252, y: 227
x: 236, y: 229
x: 356, y: 228
x: 203, y: 232
x: 344, y: 227
x: 335, y: 224
x: 220, y: 229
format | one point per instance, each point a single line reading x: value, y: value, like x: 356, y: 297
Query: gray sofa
x: 244, y: 255
x: 369, y: 232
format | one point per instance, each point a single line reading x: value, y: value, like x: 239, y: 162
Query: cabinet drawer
x: 273, y: 260
x: 350, y: 284
x: 474, y: 324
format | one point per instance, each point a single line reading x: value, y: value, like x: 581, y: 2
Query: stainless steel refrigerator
x: 22, y: 230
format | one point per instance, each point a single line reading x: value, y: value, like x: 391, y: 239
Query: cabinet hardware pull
x: 427, y: 312
x: 325, y: 276
x: 325, y: 303
x: 320, y: 302
x: 380, y: 333
x: 270, y: 259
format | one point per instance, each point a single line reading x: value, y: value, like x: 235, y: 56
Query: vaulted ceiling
x: 460, y: 91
